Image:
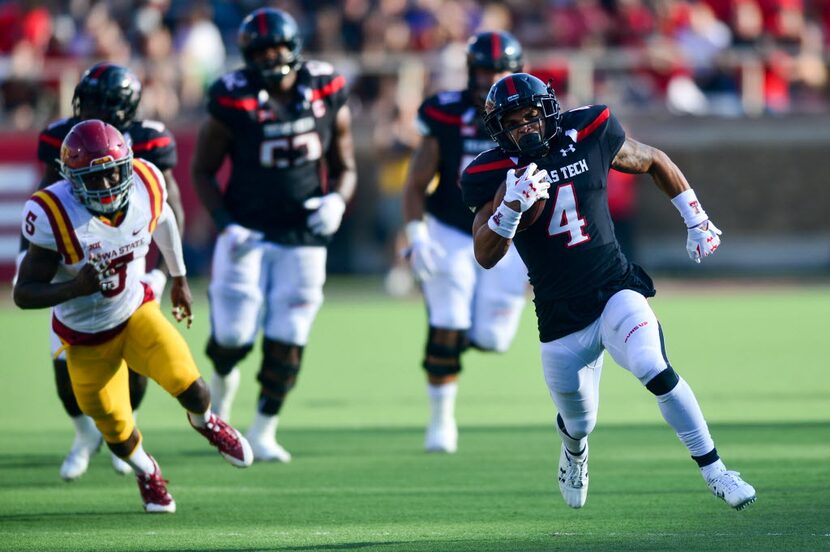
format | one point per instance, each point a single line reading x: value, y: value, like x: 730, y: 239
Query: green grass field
x: 360, y: 481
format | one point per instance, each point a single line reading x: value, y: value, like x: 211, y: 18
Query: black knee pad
x: 442, y: 359
x: 225, y: 358
x: 276, y: 376
x: 663, y: 382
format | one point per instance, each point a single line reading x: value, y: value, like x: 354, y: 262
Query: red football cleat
x: 231, y: 444
x: 154, y: 493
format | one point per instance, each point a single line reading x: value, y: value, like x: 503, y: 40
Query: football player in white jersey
x: 88, y: 235
x: 111, y: 93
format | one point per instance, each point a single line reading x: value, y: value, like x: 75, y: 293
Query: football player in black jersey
x: 466, y: 305
x: 111, y: 93
x: 588, y: 297
x: 285, y: 125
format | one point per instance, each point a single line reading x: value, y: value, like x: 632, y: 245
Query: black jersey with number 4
x: 149, y: 140
x: 455, y: 122
x: 278, y: 151
x: 573, y: 259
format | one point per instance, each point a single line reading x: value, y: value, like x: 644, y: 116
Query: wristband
x: 505, y: 221
x: 690, y: 208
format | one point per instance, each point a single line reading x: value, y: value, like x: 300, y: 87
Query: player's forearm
x: 489, y: 247
x: 39, y: 295
x: 414, y: 200
x: 346, y: 184
x: 207, y: 190
x: 667, y: 175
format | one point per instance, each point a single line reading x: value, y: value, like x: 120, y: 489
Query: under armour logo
x: 565, y: 151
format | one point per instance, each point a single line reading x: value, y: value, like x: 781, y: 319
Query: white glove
x: 242, y: 239
x: 327, y: 215
x: 526, y: 189
x: 423, y: 251
x: 703, y: 240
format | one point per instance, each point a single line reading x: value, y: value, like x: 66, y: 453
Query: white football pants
x: 277, y: 287
x: 572, y: 365
x: 461, y: 295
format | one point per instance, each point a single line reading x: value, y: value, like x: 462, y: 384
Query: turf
x: 360, y: 481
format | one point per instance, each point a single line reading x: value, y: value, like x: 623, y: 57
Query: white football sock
x: 264, y: 426
x: 682, y: 411
x: 442, y: 400
x: 141, y: 461
x: 84, y: 425
x: 572, y: 445
x: 199, y: 420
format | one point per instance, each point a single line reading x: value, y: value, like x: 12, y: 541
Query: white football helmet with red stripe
x: 97, y: 161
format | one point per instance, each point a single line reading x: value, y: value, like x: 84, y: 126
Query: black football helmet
x: 492, y: 50
x: 108, y: 92
x: 269, y: 27
x: 517, y: 92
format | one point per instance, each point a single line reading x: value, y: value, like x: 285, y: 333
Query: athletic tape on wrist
x: 690, y: 208
x: 505, y: 221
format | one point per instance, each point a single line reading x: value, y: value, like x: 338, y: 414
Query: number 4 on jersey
x: 565, y: 218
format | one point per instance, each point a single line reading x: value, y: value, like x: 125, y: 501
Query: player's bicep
x: 174, y: 198
x: 342, y: 154
x: 634, y: 157
x: 38, y: 266
x: 212, y: 145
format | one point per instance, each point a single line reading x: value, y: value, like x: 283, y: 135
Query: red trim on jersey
x: 159, y: 142
x: 601, y: 118
x: 495, y: 46
x: 62, y: 229
x: 151, y: 182
x: 335, y: 85
x: 442, y: 117
x: 511, y: 86
x: 51, y: 140
x: 74, y: 337
x: 491, y: 166
x: 245, y: 104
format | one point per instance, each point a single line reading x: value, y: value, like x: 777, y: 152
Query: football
x: 530, y: 216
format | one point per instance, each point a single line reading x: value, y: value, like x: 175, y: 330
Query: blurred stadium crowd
x: 714, y: 58
x: 698, y: 57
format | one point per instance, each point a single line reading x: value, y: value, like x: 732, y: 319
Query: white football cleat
x: 120, y: 467
x: 573, y: 477
x: 729, y: 486
x: 268, y: 450
x: 442, y: 436
x: 222, y: 392
x: 262, y: 436
x: 83, y: 447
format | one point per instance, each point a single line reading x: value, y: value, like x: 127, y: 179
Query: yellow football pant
x: 152, y: 347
